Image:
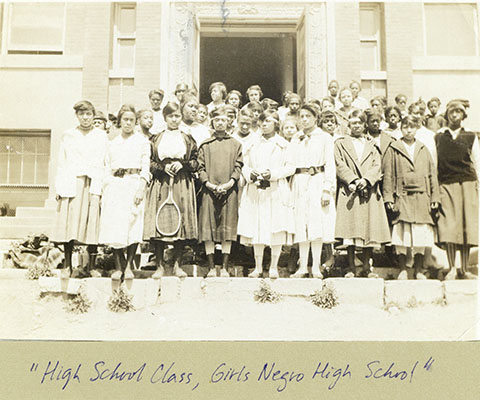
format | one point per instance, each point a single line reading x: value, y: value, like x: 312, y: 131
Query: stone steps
x: 373, y: 292
x: 35, y: 212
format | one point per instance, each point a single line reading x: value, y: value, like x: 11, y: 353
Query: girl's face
x: 156, y: 101
x: 329, y: 125
x: 327, y: 106
x: 234, y: 100
x: 190, y: 110
x: 99, y: 123
x: 356, y: 126
x: 433, y: 107
x: 374, y: 124
x: 127, y: 122
x: 355, y: 90
x: 216, y: 94
x: 220, y: 123
x: 173, y: 120
x: 254, y: 95
x: 402, y: 103
x: 307, y: 120
x: 231, y: 117
x: 454, y: 117
x: 393, y: 119
x: 417, y: 113
x: 408, y: 132
x: 377, y: 106
x: 333, y: 89
x: 256, y: 114
x: 146, y: 120
x: 244, y: 125
x: 268, y: 126
x: 85, y: 118
x: 202, y: 114
x: 294, y: 105
x: 289, y: 129
x: 346, y: 98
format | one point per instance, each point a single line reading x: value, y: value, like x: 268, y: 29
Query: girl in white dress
x: 78, y: 186
x: 265, y: 213
x: 311, y: 154
x: 127, y: 173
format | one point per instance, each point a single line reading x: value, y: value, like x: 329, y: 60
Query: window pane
x: 43, y: 145
x: 3, y: 167
x: 368, y: 56
x: 126, y: 26
x: 36, y: 26
x: 127, y: 52
x: 42, y: 170
x: 368, y: 22
x: 28, y: 169
x: 15, y: 168
x: 450, y: 29
x: 372, y: 88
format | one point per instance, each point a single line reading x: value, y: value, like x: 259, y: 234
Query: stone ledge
x: 358, y: 290
x: 460, y: 291
x: 145, y: 291
x: 411, y: 292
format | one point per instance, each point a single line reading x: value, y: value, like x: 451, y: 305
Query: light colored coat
x: 411, y: 184
x: 358, y: 217
x: 80, y: 155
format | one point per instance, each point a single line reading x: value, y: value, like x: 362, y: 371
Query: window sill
x: 121, y: 74
x: 373, y: 75
x: 45, y: 61
x: 446, y: 63
x: 23, y: 186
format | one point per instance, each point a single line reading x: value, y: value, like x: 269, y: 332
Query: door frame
x: 190, y: 19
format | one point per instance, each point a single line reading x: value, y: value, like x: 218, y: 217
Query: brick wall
x: 147, y: 51
x: 97, y: 28
x: 347, y: 40
x: 403, y: 21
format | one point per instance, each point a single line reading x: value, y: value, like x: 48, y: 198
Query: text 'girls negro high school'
x: 53, y: 54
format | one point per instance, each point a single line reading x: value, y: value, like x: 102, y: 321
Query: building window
x: 24, y: 158
x: 451, y: 30
x: 124, y: 40
x: 371, y: 33
x: 36, y: 28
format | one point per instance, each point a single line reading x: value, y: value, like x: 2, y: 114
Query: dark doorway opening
x: 240, y: 62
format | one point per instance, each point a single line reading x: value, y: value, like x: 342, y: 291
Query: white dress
x: 121, y: 222
x: 312, y: 221
x: 265, y: 216
x: 196, y: 130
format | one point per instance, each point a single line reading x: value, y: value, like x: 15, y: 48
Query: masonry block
x: 244, y: 288
x: 358, y: 290
x: 460, y: 291
x: 422, y: 291
x: 169, y: 289
x: 192, y: 288
x: 218, y: 288
x: 296, y: 286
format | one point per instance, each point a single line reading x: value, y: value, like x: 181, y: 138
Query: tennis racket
x: 168, y: 218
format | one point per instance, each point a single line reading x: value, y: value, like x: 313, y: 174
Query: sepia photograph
x: 226, y: 170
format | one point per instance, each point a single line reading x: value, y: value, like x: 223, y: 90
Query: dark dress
x: 183, y: 191
x: 220, y: 159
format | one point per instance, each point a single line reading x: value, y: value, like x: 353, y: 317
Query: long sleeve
x: 60, y: 176
x: 237, y: 168
x: 202, y: 173
x: 433, y: 179
x: 374, y: 172
x: 476, y: 157
x: 330, y: 173
x: 98, y: 169
x: 191, y: 163
x: 344, y: 172
x: 389, y: 177
x: 247, y: 167
x: 145, y: 161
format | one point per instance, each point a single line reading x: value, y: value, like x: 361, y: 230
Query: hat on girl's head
x: 100, y: 115
x: 459, y: 104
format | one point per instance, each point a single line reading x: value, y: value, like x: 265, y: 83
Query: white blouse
x: 171, y: 145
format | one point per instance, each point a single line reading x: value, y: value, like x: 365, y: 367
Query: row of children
x: 254, y: 183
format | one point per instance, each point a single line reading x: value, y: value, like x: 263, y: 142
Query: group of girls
x: 269, y: 177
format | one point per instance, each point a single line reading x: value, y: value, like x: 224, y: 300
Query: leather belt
x: 121, y: 172
x: 310, y: 170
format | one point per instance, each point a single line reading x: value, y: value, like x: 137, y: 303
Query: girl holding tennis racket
x: 171, y: 208
x: 127, y: 173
